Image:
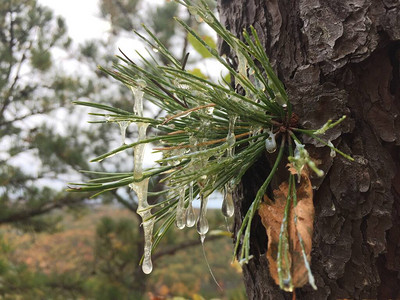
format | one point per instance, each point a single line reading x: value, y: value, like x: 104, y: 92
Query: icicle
x: 190, y: 215
x: 138, y: 94
x: 228, y: 208
x: 144, y: 211
x: 123, y: 125
x: 230, y: 138
x: 333, y: 152
x: 180, y: 210
x: 139, y: 151
x: 141, y: 187
x: 202, y: 222
x: 270, y: 142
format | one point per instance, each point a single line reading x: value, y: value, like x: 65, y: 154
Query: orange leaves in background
x: 299, y: 230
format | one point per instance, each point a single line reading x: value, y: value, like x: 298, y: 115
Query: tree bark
x: 335, y: 58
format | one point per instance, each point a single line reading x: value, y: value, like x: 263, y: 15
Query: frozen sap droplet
x: 333, y: 152
x: 227, y: 204
x: 180, y: 210
x: 270, y: 142
x: 202, y: 222
x: 123, y: 125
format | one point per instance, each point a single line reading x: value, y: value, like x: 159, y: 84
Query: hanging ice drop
x: 147, y: 265
x: 180, y: 210
x: 333, y: 152
x: 190, y: 215
x: 270, y: 142
x: 202, y: 222
x: 228, y: 208
x: 230, y: 138
x: 123, y: 125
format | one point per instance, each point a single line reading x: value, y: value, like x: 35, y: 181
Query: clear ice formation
x: 180, y: 221
x: 228, y: 208
x: 270, y: 142
x: 123, y: 125
x: 230, y: 138
x: 202, y: 222
x: 141, y: 187
x: 190, y: 215
x: 333, y: 152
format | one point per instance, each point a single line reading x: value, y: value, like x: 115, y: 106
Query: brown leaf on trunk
x: 272, y: 213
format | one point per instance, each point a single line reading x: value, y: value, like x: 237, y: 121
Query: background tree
x: 33, y: 88
x: 36, y: 129
x: 335, y: 58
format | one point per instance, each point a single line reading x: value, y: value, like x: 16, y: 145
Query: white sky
x: 83, y: 17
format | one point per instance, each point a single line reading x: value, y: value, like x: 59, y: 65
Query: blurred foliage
x: 101, y: 262
x: 51, y: 253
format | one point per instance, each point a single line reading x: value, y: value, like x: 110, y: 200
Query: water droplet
x: 108, y: 118
x: 155, y: 50
x: 270, y: 142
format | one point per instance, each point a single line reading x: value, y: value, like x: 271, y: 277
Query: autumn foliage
x: 299, y: 227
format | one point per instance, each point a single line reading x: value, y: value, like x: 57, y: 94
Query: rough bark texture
x: 335, y: 57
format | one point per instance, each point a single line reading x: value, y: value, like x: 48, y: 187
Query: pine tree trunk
x: 335, y: 57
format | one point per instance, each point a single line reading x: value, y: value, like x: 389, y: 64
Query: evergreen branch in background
x: 210, y: 137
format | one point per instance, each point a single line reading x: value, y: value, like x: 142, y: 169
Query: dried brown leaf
x: 272, y: 212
